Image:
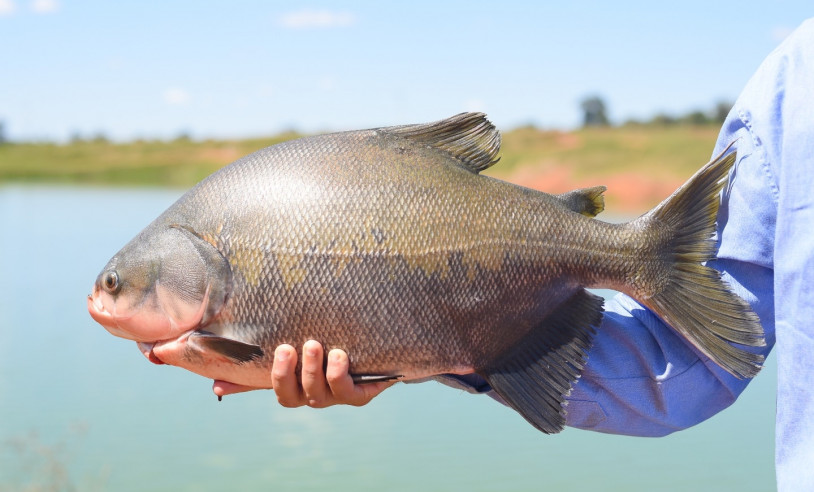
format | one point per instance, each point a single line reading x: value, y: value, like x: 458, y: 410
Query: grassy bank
x: 639, y: 164
x: 179, y: 163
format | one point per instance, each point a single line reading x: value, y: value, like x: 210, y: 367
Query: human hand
x: 316, y: 389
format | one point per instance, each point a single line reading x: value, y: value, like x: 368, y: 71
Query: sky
x: 233, y: 69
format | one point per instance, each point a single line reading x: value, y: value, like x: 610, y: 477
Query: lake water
x: 84, y: 410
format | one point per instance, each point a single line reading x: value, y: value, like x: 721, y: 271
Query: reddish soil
x: 628, y: 193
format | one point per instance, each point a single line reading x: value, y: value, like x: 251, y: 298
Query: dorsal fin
x: 468, y: 137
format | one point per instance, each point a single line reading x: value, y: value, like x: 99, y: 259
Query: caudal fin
x: 691, y: 297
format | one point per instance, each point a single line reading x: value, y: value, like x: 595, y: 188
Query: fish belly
x: 393, y: 316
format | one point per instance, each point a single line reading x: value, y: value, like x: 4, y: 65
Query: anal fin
x: 235, y: 350
x: 536, y: 375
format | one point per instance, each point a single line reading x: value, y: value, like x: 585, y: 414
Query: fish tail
x: 688, y: 295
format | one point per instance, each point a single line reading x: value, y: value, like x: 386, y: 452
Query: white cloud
x: 175, y: 96
x: 305, y: 19
x: 7, y: 7
x: 44, y: 6
x: 779, y: 33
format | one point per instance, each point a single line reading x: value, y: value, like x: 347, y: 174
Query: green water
x: 84, y: 410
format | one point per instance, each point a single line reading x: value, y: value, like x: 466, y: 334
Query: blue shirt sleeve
x: 639, y: 379
x: 777, y: 110
x: 644, y: 379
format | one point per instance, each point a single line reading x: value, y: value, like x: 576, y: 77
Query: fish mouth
x: 97, y: 310
x: 105, y: 318
x: 111, y: 320
x: 102, y: 316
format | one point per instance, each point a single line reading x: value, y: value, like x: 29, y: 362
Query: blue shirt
x: 644, y: 379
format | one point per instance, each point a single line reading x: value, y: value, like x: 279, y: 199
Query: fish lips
x: 100, y: 315
x: 97, y: 311
x: 139, y: 324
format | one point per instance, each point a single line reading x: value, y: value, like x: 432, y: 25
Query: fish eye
x: 110, y: 282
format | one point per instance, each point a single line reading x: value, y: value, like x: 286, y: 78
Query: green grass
x: 598, y: 152
x: 177, y: 163
x: 635, y: 157
x: 640, y: 165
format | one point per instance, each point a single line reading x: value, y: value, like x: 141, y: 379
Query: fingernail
x: 336, y: 356
x: 311, y: 351
x: 282, y: 355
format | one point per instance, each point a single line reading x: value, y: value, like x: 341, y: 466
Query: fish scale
x: 389, y: 245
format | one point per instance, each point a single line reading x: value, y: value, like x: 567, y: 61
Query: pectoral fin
x: 535, y: 376
x: 235, y: 350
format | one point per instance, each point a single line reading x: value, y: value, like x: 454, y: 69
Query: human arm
x: 642, y: 378
x: 766, y: 239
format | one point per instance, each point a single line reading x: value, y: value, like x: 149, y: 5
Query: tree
x: 696, y: 118
x: 663, y: 119
x: 721, y: 110
x: 594, y: 113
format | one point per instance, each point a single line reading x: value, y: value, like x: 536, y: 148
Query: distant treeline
x: 594, y: 112
x: 621, y: 157
x: 714, y: 116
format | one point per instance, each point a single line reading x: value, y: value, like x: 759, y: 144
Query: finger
x: 223, y: 388
x: 338, y: 377
x: 341, y: 383
x: 313, y: 377
x: 284, y: 377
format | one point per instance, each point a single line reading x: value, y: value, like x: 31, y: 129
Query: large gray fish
x: 388, y: 244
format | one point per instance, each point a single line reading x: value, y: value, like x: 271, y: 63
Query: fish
x: 390, y: 244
